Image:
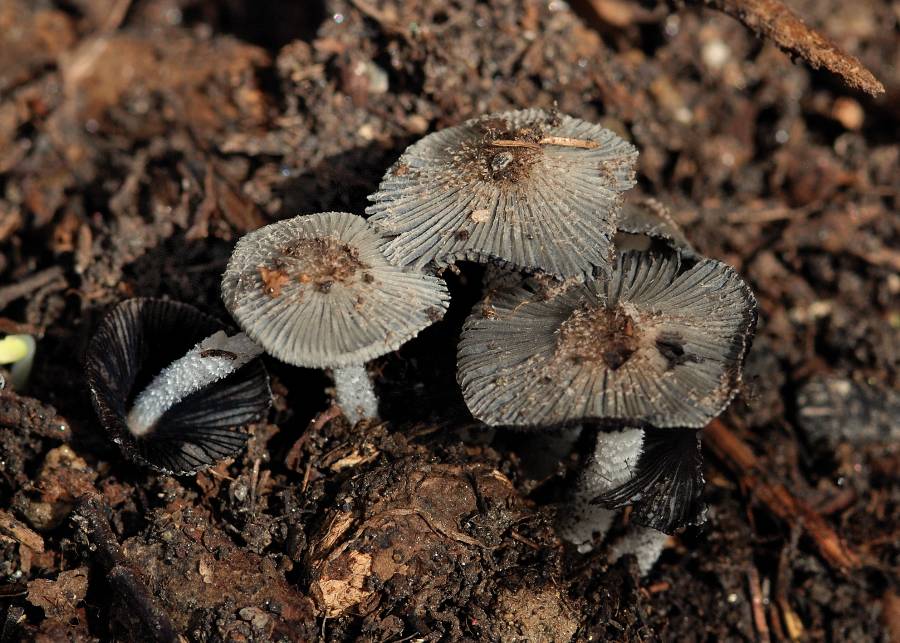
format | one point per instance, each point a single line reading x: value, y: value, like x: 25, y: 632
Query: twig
x: 738, y: 456
x: 429, y: 520
x: 19, y: 532
x: 116, y: 16
x: 9, y: 294
x: 756, y: 603
x: 773, y: 20
x: 90, y: 518
x: 502, y: 142
x: 560, y: 141
x: 525, y: 541
x: 563, y: 141
x: 292, y: 459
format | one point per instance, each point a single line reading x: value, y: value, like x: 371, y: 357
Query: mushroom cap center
x: 320, y: 262
x: 598, y: 335
x: 502, y: 154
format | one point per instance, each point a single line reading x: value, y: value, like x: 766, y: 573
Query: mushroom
x: 657, y: 344
x: 657, y: 471
x: 171, y: 388
x: 531, y: 189
x: 17, y: 351
x: 611, y: 464
x: 646, y: 223
x: 316, y: 291
x: 665, y: 481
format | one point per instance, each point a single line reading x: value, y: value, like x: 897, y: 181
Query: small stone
x: 255, y: 616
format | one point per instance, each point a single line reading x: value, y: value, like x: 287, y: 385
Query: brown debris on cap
x: 644, y: 220
x: 316, y: 291
x: 532, y: 189
x: 656, y: 344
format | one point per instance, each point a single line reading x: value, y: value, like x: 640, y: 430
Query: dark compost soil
x: 139, y: 139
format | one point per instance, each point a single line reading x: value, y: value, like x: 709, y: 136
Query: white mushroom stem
x: 612, y: 464
x: 355, y: 392
x: 211, y: 360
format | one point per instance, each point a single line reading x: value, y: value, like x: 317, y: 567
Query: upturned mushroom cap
x: 655, y: 344
x: 316, y: 291
x: 137, y: 340
x: 647, y: 219
x: 666, y: 482
x: 498, y: 187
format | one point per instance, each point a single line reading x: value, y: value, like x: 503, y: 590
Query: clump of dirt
x: 321, y: 262
x: 409, y: 529
x: 209, y: 585
x: 504, y: 153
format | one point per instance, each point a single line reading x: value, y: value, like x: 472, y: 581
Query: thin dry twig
x: 9, y: 294
x: 19, y: 532
x: 773, y: 20
x: 525, y: 541
x: 738, y: 456
x: 502, y: 142
x: 758, y: 606
x: 561, y: 141
x: 564, y: 141
x: 292, y: 459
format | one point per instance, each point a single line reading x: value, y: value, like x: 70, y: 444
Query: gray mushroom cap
x: 498, y: 188
x: 316, y: 291
x: 655, y: 344
x: 648, y: 219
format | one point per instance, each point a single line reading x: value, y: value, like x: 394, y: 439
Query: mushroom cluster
x: 596, y: 313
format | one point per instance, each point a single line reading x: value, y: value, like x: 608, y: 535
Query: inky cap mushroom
x: 315, y: 291
x: 666, y: 482
x: 532, y: 189
x: 192, y: 414
x: 643, y: 221
x: 655, y: 344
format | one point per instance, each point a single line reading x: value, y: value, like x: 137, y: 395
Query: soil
x: 139, y: 139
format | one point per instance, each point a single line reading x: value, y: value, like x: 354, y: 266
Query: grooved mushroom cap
x: 649, y: 219
x: 666, y: 486
x: 135, y: 341
x: 655, y: 344
x: 316, y: 291
x: 499, y: 188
